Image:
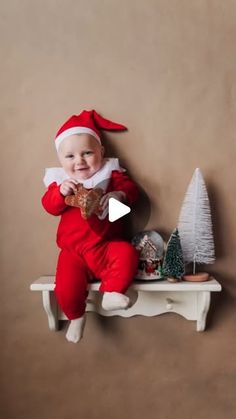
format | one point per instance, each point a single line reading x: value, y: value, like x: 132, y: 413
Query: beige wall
x: 167, y: 70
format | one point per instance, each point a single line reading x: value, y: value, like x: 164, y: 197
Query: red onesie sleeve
x: 122, y: 182
x: 53, y: 201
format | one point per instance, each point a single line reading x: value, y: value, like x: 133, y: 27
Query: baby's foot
x: 114, y: 301
x: 75, y: 330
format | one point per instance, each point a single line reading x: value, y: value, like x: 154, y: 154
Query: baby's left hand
x: 104, y: 202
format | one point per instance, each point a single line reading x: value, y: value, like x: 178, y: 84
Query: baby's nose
x: 79, y: 159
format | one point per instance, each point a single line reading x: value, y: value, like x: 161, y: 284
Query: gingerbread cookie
x: 87, y: 200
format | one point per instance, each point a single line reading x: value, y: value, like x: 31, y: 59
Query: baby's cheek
x: 96, y: 166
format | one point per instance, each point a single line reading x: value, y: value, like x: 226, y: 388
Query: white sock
x: 75, y: 329
x: 114, y: 301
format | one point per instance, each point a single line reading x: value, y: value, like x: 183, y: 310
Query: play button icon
x: 116, y: 209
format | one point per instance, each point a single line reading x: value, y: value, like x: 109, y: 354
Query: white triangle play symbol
x: 116, y: 209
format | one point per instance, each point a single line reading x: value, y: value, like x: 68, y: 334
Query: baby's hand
x: 68, y: 187
x: 104, y: 202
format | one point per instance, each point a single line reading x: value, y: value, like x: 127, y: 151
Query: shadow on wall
x: 222, y: 303
x: 217, y: 222
x: 141, y: 211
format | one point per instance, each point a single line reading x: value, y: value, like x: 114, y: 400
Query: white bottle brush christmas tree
x: 195, y: 224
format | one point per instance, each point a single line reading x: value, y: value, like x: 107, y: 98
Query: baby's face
x: 81, y: 156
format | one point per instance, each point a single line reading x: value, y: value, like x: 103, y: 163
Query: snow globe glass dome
x: 151, y: 247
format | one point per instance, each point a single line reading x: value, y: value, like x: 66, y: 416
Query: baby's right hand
x: 68, y: 187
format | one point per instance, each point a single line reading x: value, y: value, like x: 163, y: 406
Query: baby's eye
x: 88, y: 153
x: 69, y: 156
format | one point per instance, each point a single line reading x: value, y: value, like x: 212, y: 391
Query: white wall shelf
x: 189, y: 299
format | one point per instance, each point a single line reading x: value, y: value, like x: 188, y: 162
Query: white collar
x: 100, y: 178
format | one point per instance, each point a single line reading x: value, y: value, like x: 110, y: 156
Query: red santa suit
x: 91, y: 248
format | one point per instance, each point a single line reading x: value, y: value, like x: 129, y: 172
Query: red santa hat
x: 88, y: 122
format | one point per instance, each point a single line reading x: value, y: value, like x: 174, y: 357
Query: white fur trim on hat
x: 73, y: 131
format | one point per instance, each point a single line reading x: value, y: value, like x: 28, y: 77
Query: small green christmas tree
x: 173, y: 265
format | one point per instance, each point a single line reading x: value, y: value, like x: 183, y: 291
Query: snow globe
x: 151, y: 247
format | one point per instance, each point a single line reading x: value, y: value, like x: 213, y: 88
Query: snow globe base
x: 198, y: 277
x: 151, y: 276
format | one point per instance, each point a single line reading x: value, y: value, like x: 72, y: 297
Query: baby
x: 92, y: 248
